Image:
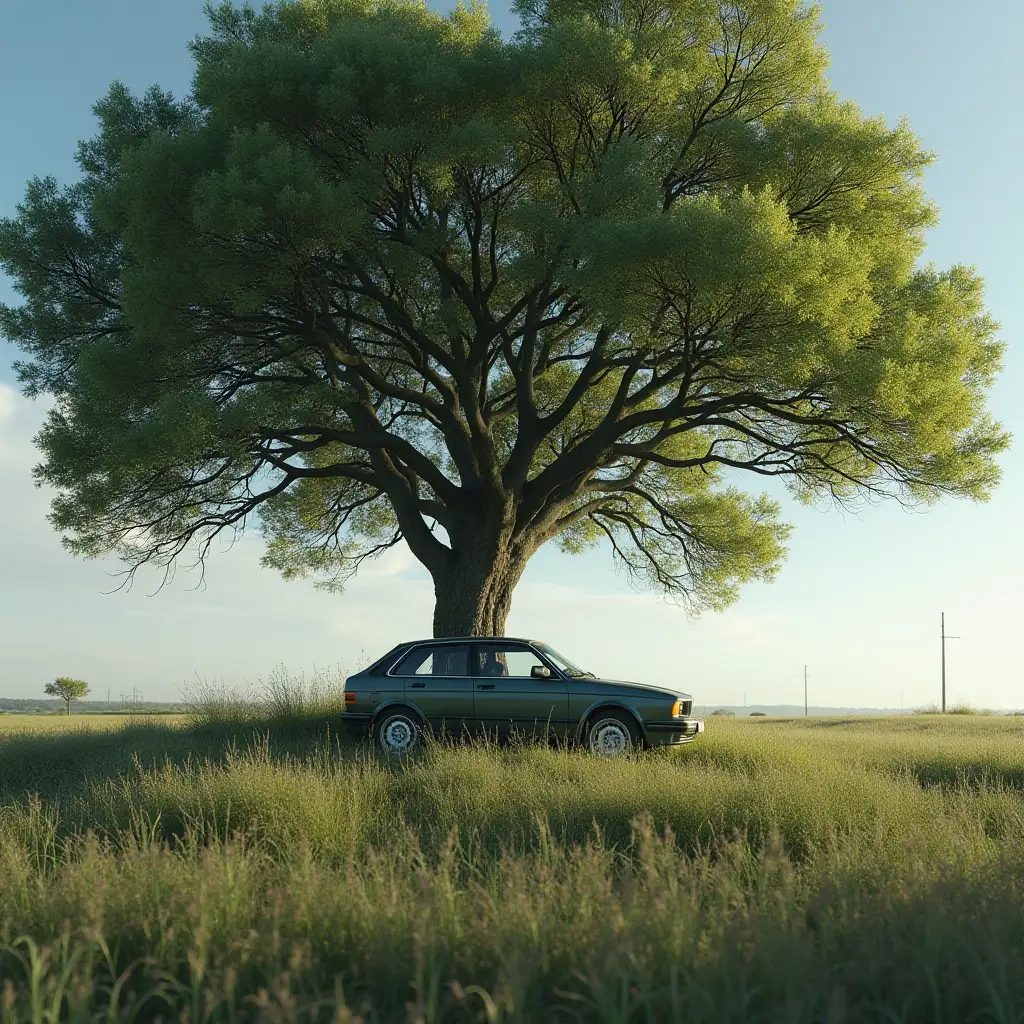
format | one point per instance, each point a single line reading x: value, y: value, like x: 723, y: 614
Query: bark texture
x: 473, y: 586
x: 474, y: 599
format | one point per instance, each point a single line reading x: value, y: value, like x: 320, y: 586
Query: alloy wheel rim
x: 398, y: 735
x: 610, y: 738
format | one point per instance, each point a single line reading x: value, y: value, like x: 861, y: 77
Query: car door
x: 437, y: 681
x: 508, y: 698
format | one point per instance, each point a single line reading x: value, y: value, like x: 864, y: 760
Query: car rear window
x: 430, y: 660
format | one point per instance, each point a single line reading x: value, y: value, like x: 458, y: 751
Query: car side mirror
x: 540, y: 672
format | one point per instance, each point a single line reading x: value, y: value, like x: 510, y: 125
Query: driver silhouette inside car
x: 493, y: 664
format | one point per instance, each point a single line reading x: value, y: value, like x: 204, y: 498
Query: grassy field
x: 806, y: 870
x: 75, y: 723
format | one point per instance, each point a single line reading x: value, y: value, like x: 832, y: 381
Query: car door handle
x: 417, y: 686
x: 485, y: 686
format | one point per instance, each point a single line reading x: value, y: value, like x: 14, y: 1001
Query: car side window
x: 497, y: 660
x: 443, y: 660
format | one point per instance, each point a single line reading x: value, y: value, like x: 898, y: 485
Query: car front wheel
x: 611, y: 734
x: 397, y: 733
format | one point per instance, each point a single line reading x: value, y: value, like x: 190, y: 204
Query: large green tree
x: 387, y: 276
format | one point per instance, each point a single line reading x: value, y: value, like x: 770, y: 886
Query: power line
x: 945, y: 637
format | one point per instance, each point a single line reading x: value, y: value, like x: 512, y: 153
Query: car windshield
x: 563, y: 663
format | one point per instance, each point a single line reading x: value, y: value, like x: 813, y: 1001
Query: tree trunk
x: 472, y: 597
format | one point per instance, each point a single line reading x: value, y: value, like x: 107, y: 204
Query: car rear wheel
x: 611, y: 734
x: 397, y: 732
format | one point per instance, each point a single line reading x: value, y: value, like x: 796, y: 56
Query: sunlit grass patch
x: 77, y: 723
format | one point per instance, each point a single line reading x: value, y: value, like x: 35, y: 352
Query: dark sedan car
x: 499, y: 686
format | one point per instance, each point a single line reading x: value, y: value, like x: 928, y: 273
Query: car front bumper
x: 678, y: 730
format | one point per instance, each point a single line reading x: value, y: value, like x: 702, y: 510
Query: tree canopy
x: 67, y: 689
x: 384, y: 275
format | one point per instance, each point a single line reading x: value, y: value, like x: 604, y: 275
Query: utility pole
x: 945, y: 637
x: 805, y: 691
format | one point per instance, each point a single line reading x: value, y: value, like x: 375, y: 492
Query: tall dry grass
x: 280, y: 698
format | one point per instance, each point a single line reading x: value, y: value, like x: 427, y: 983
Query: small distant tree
x: 67, y: 689
x: 723, y: 712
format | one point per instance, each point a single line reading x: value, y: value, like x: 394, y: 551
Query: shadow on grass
x: 861, y: 722
x: 974, y: 776
x: 287, y: 717
x: 61, y: 765
x: 56, y: 766
x: 305, y: 777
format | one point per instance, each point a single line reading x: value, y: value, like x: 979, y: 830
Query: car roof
x: 469, y: 639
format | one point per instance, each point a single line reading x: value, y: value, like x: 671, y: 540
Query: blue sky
x: 859, y: 598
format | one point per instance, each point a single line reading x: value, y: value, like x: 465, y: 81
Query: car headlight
x: 677, y: 709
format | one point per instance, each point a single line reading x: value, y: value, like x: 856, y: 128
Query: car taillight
x: 350, y: 698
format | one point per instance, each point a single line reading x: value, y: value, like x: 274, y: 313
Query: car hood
x: 626, y: 686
